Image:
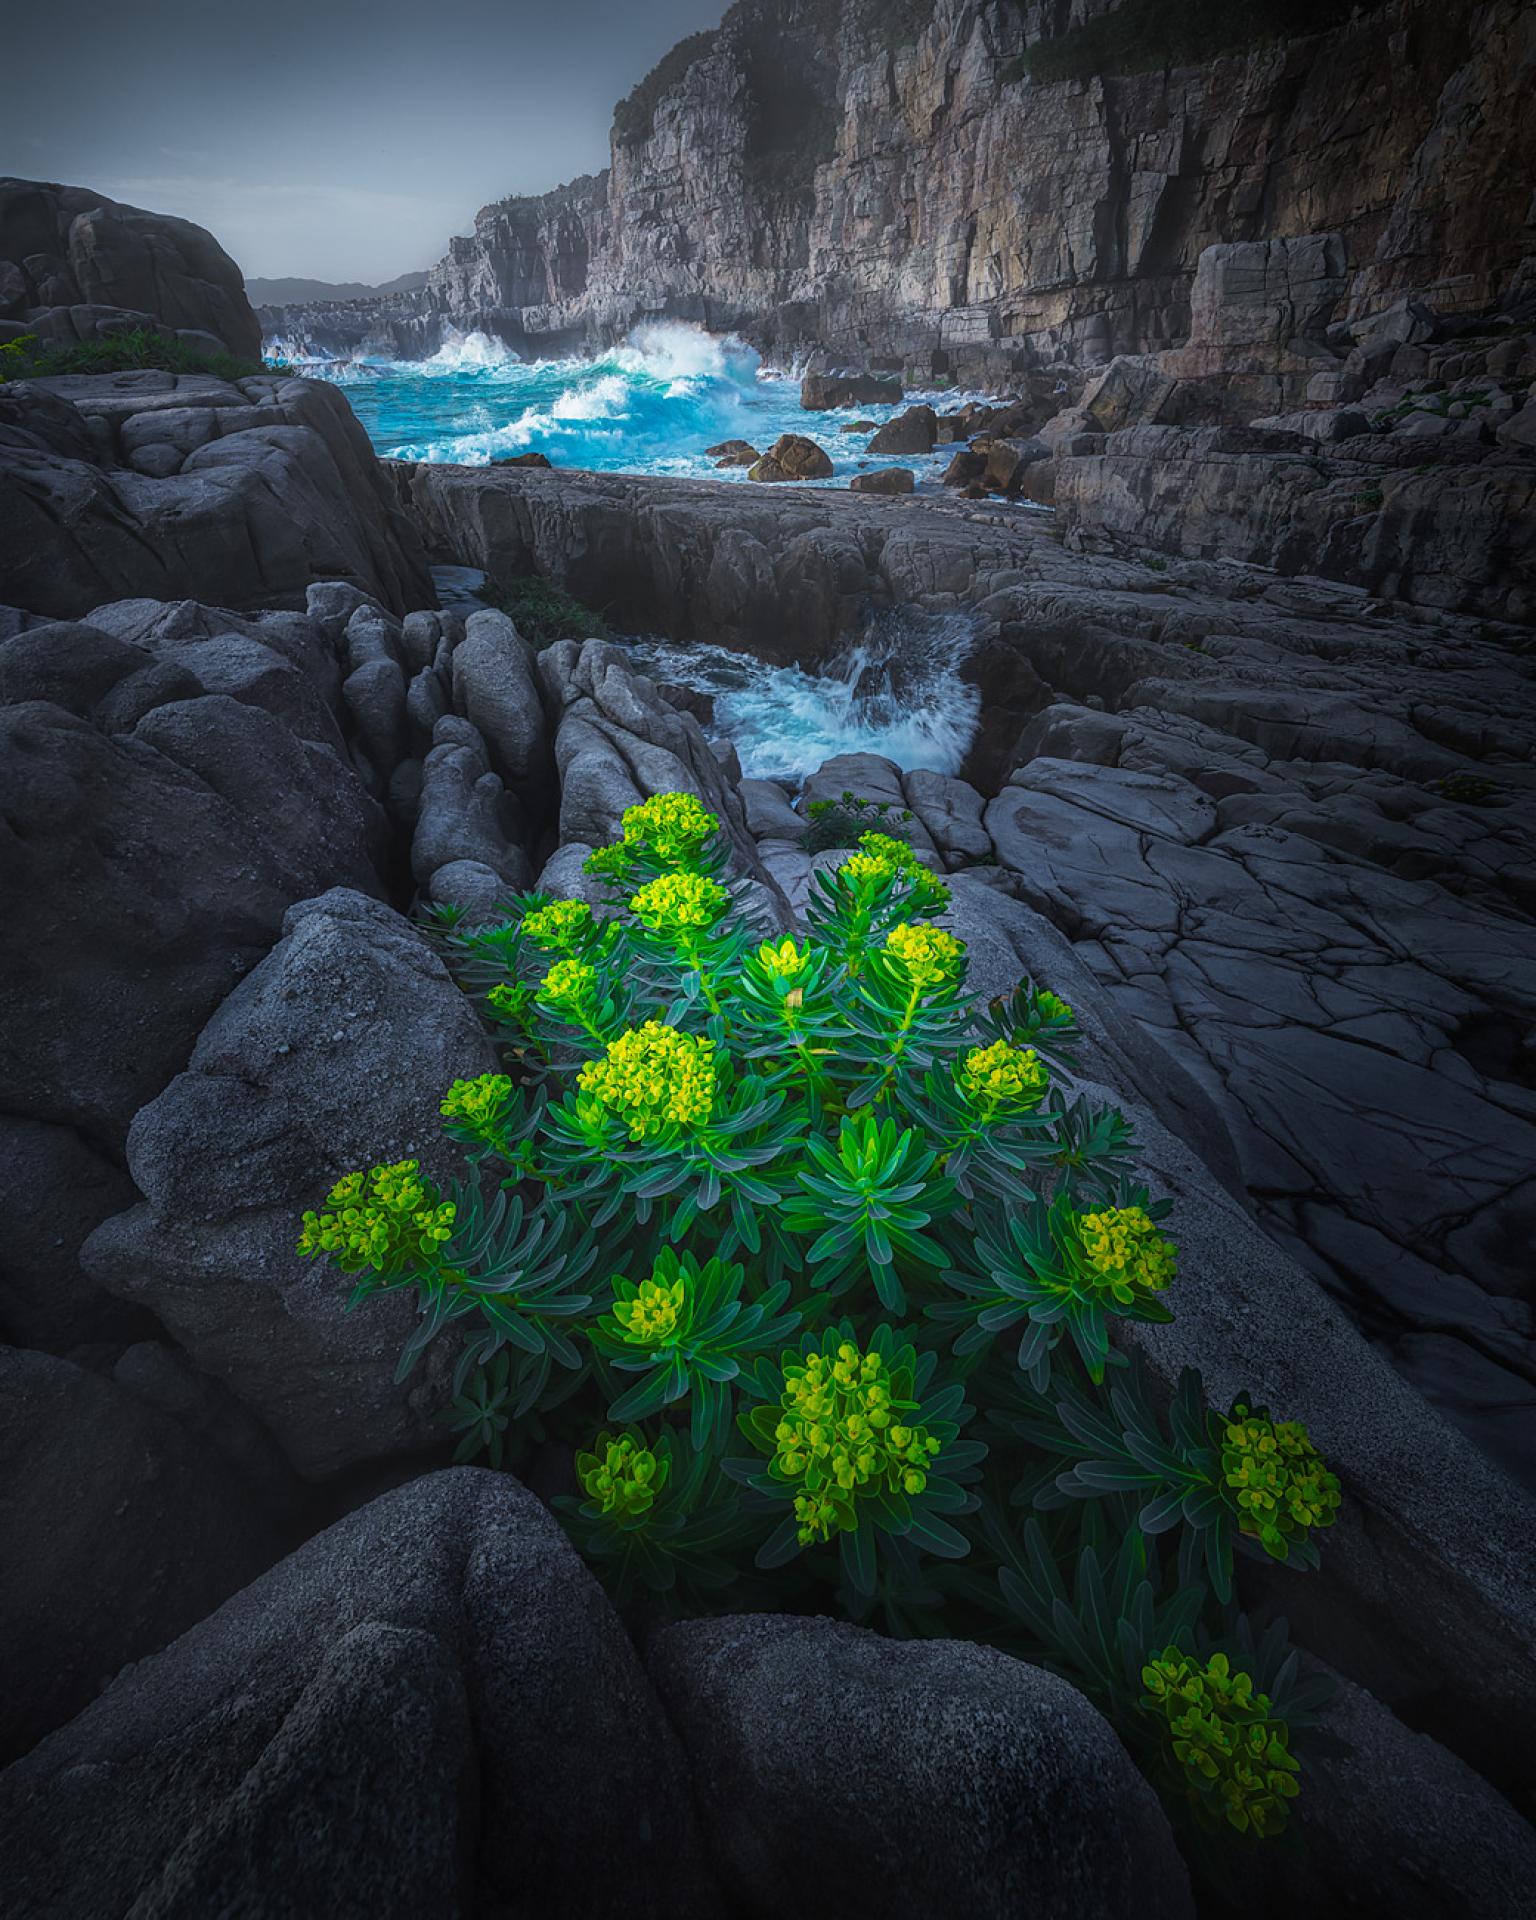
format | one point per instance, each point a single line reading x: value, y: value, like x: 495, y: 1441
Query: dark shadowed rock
x: 839, y: 1773
x: 890, y: 480
x: 914, y: 431
x: 120, y: 1531
x: 281, y: 489
x: 333, y: 1054
x: 145, y: 874
x: 402, y: 1718
x: 821, y: 391
x: 57, y: 1189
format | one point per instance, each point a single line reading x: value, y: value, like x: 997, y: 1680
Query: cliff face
x: 890, y: 181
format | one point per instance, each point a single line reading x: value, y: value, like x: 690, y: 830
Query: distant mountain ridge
x: 296, y: 291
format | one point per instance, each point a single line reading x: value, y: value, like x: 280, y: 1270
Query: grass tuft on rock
x: 29, y: 358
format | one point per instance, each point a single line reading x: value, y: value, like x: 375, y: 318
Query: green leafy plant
x: 29, y: 358
x: 543, y: 612
x: 840, y: 822
x: 822, y: 1274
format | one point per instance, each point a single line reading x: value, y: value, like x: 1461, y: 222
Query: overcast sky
x: 342, y: 142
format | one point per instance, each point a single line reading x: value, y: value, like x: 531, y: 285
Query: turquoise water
x: 651, y: 406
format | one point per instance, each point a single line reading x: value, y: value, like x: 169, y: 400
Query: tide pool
x: 651, y: 406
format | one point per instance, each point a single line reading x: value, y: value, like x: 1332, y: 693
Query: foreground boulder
x: 429, y: 1709
x: 120, y: 1531
x: 334, y: 1054
x: 840, y: 1773
x: 889, y: 480
x: 915, y: 431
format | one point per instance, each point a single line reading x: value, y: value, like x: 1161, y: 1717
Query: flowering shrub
x: 822, y: 1275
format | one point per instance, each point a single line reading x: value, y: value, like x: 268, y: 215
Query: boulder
x: 838, y: 1772
x: 333, y: 1054
x: 530, y: 459
x: 821, y: 391
x: 792, y: 457
x: 733, y: 453
x: 71, y: 246
x: 120, y: 1531
x: 495, y: 687
x: 1267, y: 293
x: 402, y: 1718
x: 966, y: 467
x: 914, y: 431
x: 886, y: 480
x: 178, y: 847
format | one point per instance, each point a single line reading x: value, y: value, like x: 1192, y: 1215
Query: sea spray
x: 893, y: 689
x: 652, y: 405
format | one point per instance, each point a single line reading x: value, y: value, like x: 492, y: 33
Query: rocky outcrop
x: 124, y: 1532
x: 75, y: 265
x: 409, y: 1707
x: 168, y: 485
x: 335, y: 1052
x: 783, y: 1720
x: 814, y: 180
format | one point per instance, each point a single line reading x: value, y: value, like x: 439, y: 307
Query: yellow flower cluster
x: 569, y: 983
x: 652, y: 1316
x: 882, y: 858
x: 840, y: 1436
x: 1219, y: 1731
x: 673, y: 825
x: 680, y: 903
x: 479, y: 1104
x: 654, y: 1077
x: 932, y: 958
x: 620, y: 1476
x: 1001, y: 1078
x: 384, y: 1219
x: 784, y: 961
x: 1052, y: 1007
x: 1124, y: 1252
x: 1277, y: 1478
x: 560, y: 926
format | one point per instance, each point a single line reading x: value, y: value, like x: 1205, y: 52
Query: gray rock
x: 400, y: 1718
x: 179, y: 848
x: 97, y: 250
x: 333, y: 1054
x: 465, y: 814
x: 287, y: 492
x: 495, y: 686
x: 769, y: 814
x: 885, y: 480
x: 914, y: 431
x: 57, y: 1189
x: 120, y: 1532
x: 1398, y: 1825
x: 841, y: 1773
x: 469, y: 884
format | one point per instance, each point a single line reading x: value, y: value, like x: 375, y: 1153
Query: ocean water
x: 895, y: 689
x: 651, y: 406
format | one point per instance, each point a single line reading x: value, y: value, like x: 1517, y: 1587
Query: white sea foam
x: 895, y: 690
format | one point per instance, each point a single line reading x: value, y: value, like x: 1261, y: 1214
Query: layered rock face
x: 894, y: 182
x: 75, y: 265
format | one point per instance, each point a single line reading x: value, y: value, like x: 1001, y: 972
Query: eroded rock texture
x: 77, y: 265
x: 168, y: 485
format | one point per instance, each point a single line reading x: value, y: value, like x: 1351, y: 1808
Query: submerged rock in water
x: 792, y: 457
